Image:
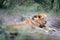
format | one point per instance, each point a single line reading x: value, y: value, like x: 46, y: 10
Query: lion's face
x: 40, y: 18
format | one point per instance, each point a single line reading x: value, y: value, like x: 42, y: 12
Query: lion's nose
x: 44, y: 22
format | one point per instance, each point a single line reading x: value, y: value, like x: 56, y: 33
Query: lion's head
x: 40, y: 18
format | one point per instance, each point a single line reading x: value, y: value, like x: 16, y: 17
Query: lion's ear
x: 34, y: 17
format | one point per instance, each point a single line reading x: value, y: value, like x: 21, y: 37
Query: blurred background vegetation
x: 24, y: 6
x: 45, y: 4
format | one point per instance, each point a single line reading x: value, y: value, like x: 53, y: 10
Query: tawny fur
x: 30, y: 24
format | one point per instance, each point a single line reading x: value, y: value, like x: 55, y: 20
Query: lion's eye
x: 39, y: 17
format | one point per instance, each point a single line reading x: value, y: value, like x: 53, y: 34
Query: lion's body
x: 26, y: 25
x: 30, y: 24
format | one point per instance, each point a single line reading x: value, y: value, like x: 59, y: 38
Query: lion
x: 37, y: 22
x: 40, y: 18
